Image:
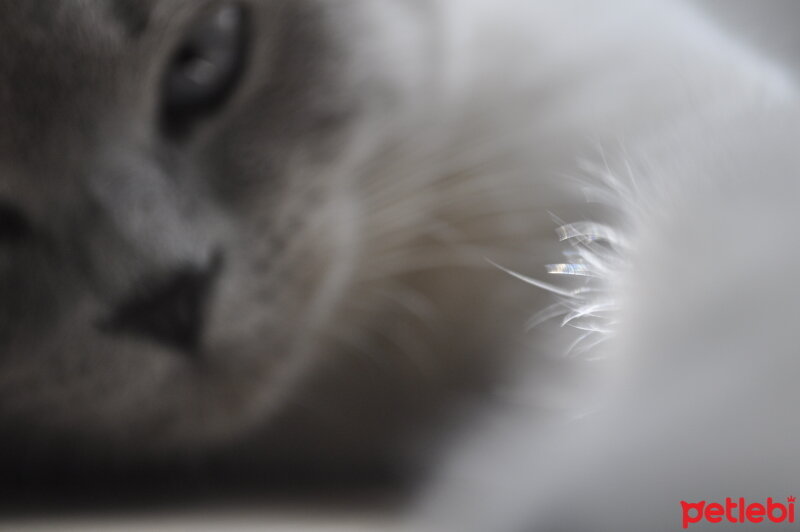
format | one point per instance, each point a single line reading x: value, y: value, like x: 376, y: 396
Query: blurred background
x: 770, y: 24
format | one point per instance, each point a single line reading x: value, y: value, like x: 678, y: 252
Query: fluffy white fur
x: 682, y: 314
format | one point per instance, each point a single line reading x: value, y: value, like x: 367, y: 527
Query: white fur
x: 684, y: 309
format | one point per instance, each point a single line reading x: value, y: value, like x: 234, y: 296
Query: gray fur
x: 350, y: 217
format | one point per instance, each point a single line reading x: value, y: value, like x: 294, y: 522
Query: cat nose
x: 169, y: 310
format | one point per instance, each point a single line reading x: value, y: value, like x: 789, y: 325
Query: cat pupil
x: 196, y: 67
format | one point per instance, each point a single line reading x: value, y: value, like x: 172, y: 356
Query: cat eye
x: 14, y: 227
x: 205, y: 68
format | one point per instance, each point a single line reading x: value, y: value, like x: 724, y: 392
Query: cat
x: 294, y: 232
x: 261, y: 229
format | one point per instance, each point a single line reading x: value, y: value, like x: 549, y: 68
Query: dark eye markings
x: 14, y: 226
x: 204, y: 70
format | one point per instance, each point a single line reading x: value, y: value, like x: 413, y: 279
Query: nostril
x: 170, y: 311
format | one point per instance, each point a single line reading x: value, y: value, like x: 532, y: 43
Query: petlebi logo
x: 738, y: 511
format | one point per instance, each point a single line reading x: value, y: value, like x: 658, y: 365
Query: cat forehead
x: 67, y: 41
x: 61, y: 61
x: 87, y: 22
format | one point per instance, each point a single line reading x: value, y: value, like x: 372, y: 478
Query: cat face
x: 176, y: 209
